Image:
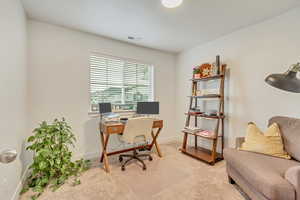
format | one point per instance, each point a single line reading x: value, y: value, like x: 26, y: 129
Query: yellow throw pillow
x: 269, y: 143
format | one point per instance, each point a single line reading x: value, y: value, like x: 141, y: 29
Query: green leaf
x: 34, y: 197
x: 31, y: 139
x: 42, y: 165
x: 38, y: 189
x: 24, y: 189
x: 51, y: 162
x: 58, y: 161
x: 76, y: 182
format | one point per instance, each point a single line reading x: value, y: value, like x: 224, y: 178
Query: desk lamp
x: 287, y: 81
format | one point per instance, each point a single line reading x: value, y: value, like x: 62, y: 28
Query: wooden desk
x: 109, y: 128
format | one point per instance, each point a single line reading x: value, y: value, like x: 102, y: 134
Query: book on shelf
x: 192, y: 112
x: 192, y: 129
x: 196, y: 130
x: 206, y: 133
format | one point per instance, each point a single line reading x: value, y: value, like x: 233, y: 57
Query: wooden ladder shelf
x: 210, y: 156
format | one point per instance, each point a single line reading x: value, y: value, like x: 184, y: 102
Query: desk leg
x: 102, y: 143
x: 104, y: 140
x: 154, y: 142
x: 184, y: 141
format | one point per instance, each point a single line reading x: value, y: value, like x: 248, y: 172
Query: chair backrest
x: 136, y: 127
x: 290, y: 131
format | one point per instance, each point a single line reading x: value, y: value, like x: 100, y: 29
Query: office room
x: 149, y: 100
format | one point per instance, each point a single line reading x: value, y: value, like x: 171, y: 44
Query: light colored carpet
x: 173, y: 177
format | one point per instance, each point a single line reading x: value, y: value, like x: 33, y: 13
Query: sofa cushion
x: 290, y: 130
x: 269, y: 143
x: 265, y: 173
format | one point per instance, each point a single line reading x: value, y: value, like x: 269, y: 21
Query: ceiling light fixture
x: 171, y: 3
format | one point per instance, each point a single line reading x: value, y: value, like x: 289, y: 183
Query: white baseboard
x: 88, y: 156
x: 19, y: 188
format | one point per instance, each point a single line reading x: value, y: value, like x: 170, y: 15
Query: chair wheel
x: 120, y: 159
x: 150, y: 158
x: 144, y: 168
x: 123, y: 168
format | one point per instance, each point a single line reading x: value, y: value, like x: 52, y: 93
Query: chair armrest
x: 239, y: 141
x: 292, y: 175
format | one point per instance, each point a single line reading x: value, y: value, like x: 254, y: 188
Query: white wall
x: 59, y: 80
x: 13, y: 124
x: 251, y: 54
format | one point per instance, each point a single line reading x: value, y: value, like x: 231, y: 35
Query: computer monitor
x: 105, y: 108
x: 148, y: 108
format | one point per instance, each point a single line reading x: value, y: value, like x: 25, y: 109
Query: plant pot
x: 196, y: 76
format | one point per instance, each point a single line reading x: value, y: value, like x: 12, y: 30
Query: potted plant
x: 197, y: 72
x: 52, y: 165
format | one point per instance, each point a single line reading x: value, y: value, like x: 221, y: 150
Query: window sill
x: 125, y: 112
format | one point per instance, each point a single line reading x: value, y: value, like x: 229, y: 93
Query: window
x: 122, y: 82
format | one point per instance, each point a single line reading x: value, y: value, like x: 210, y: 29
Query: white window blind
x: 120, y: 82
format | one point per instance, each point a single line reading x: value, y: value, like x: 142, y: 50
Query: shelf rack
x: 206, y: 116
x: 210, y: 156
x: 206, y: 96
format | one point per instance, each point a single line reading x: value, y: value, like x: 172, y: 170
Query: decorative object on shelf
x: 195, y: 111
x: 206, y: 92
x: 207, y: 133
x: 208, y: 155
x: 287, y: 81
x: 52, y: 163
x: 216, y: 67
x: 192, y: 129
x: 206, y: 70
x: 218, y: 64
x: 202, y: 71
x: 196, y: 72
x: 171, y: 3
x: 198, y: 92
x: 212, y: 112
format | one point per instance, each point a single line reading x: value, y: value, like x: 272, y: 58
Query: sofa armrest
x: 292, y: 175
x: 239, y: 141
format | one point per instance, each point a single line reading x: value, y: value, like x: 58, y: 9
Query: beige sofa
x: 264, y: 177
